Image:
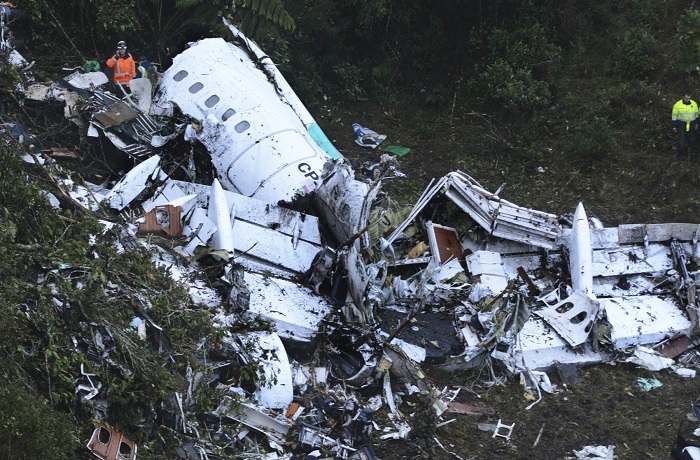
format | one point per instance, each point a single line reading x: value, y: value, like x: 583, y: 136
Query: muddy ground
x: 607, y: 407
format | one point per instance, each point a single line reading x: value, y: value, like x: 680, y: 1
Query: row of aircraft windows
x: 212, y: 101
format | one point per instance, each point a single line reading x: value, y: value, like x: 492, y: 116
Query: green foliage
x: 513, y: 88
x: 526, y: 46
x: 593, y: 140
x: 649, y: 13
x: 30, y: 428
x: 349, y: 79
x: 383, y: 73
x: 688, y: 36
x: 272, y: 10
x: 117, y: 15
x: 9, y: 78
x: 519, y: 66
x: 637, y: 51
x: 63, y: 288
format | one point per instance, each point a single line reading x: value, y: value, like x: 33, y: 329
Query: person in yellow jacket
x: 124, y: 67
x: 684, y: 120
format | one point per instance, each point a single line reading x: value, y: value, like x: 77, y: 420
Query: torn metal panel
x: 500, y: 217
x: 264, y: 236
x: 573, y: 317
x: 89, y: 390
x: 344, y: 202
x: 170, y: 194
x: 134, y: 149
x: 358, y: 283
x: 643, y: 320
x: 295, y: 310
x: 115, y: 115
x: 430, y: 192
x: 639, y: 233
x: 270, y: 247
x: 89, y: 195
x: 297, y: 225
x: 87, y: 80
x: 198, y: 229
x: 404, y: 373
x: 353, y: 354
x: 277, y: 388
x: 345, y: 205
x: 675, y: 346
x: 444, y: 275
x: 274, y: 426
x: 541, y: 348
x: 632, y: 260
x: 141, y: 92
x: 650, y: 359
x: 39, y: 91
x: 108, y: 444
x: 134, y: 183
x: 488, y: 268
x: 258, y: 144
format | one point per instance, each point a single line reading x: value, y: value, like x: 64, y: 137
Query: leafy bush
x: 30, y: 428
x: 526, y: 46
x: 592, y: 139
x: 688, y: 36
x: 637, y: 50
x: 348, y: 81
x: 511, y: 87
x: 522, y: 63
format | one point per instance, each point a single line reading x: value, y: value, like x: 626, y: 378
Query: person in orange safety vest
x: 124, y: 67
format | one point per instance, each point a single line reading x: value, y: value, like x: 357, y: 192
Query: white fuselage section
x: 258, y: 144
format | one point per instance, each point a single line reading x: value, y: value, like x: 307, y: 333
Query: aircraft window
x: 180, y: 75
x: 242, y: 126
x: 211, y: 101
x: 124, y: 450
x: 197, y: 87
x: 228, y: 114
x: 104, y: 435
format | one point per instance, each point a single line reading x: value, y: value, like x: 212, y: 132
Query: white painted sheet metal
x: 488, y: 267
x: 134, y: 182
x: 263, y: 234
x: 643, y: 320
x: 502, y: 218
x: 295, y: 310
x: 581, y: 254
x: 277, y: 390
x: 261, y: 213
x: 542, y: 347
x: 286, y: 93
x: 219, y: 213
x: 257, y: 142
x: 573, y: 317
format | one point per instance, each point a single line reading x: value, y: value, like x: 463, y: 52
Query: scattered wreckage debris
x: 367, y: 138
x: 359, y: 293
